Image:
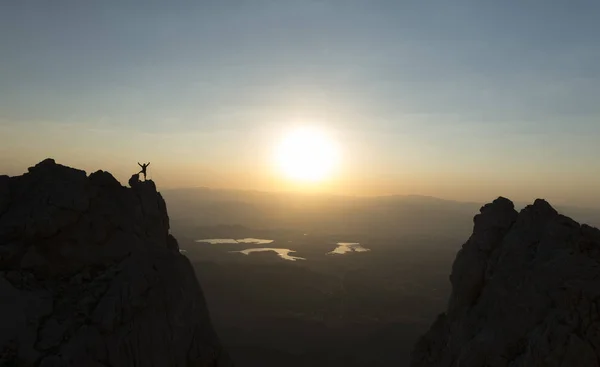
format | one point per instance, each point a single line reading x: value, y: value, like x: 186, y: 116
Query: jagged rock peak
x: 90, y: 276
x: 497, y: 215
x: 524, y: 293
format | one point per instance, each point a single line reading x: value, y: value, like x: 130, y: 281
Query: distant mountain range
x: 386, y: 216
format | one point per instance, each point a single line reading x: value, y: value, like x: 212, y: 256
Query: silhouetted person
x: 144, y: 167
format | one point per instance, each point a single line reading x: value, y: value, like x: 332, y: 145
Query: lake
x: 283, y: 253
x: 217, y: 241
x: 345, y: 247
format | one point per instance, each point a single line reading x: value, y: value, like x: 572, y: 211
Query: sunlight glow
x: 307, y: 154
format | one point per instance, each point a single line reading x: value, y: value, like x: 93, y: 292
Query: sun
x: 307, y: 154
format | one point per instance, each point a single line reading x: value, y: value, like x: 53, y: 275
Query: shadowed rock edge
x: 525, y: 292
x: 90, y: 276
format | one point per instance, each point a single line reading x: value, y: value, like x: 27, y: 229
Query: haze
x: 459, y: 100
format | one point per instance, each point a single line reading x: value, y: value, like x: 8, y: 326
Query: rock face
x: 90, y: 276
x: 525, y: 292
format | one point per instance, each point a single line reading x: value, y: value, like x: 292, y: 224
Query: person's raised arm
x: 148, y: 164
x: 139, y: 164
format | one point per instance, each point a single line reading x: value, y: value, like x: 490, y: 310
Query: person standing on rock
x: 144, y: 168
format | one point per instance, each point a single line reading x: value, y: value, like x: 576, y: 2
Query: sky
x: 464, y: 100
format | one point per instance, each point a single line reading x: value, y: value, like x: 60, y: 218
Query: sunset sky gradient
x: 464, y: 100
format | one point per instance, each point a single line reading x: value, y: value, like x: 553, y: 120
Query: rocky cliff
x: 525, y: 292
x: 90, y: 276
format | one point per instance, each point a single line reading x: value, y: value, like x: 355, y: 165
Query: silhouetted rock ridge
x: 525, y: 292
x: 90, y: 276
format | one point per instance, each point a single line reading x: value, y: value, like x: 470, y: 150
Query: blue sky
x: 475, y: 90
